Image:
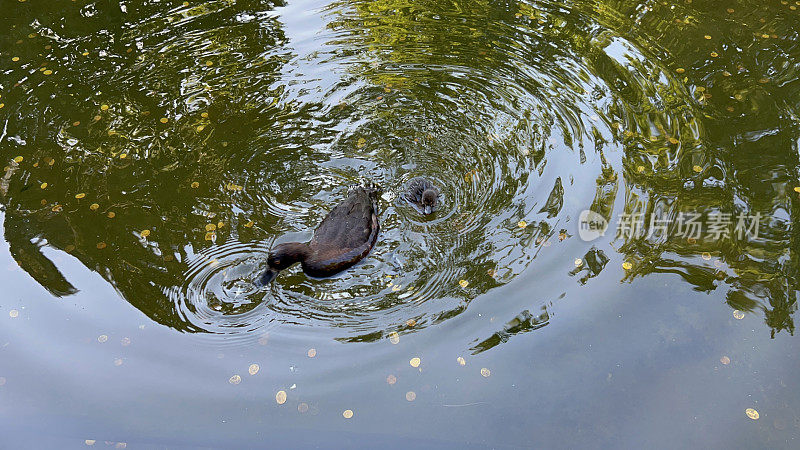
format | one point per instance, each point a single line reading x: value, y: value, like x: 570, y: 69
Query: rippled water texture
x: 166, y: 146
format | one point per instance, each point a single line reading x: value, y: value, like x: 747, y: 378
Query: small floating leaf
x: 738, y: 314
x: 485, y: 372
x: 236, y: 379
x: 101, y: 245
x: 102, y: 338
x: 312, y: 352
x: 195, y: 185
x: 578, y: 262
x: 410, y: 396
x: 522, y: 224
x: 391, y: 379
x: 680, y: 70
x: 13, y: 313
x: 210, y: 227
x: 697, y: 169
x: 706, y: 256
x: 111, y: 214
x: 361, y: 142
x: 725, y: 360
x: 461, y: 361
x: 163, y: 120
x: 80, y: 195
x: 463, y: 283
x: 347, y: 414
x: 249, y: 224
x: 627, y: 266
x: 394, y: 338
x: 104, y: 107
x: 253, y: 369
x: 280, y: 397
x: 18, y: 159
x: 43, y: 185
x: 751, y: 413
x: 302, y: 407
x: 415, y: 362
x: 94, y: 206
x: 145, y: 233
x: 48, y: 72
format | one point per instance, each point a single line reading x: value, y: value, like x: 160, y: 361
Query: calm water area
x: 615, y: 262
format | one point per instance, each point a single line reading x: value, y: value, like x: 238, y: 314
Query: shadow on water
x: 166, y: 148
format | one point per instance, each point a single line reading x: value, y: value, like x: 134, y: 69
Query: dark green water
x: 155, y: 150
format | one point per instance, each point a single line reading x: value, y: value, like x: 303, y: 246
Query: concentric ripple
x: 249, y: 131
x: 515, y: 124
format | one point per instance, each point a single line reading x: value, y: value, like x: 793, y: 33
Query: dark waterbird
x: 345, y: 237
x: 423, y: 194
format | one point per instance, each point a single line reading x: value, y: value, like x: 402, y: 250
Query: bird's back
x: 350, y: 226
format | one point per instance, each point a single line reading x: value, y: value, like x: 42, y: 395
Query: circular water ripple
x: 519, y: 138
x: 522, y: 115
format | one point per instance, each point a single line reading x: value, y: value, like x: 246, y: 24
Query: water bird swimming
x: 423, y: 194
x: 345, y: 236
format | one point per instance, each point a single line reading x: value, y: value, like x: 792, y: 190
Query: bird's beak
x: 267, y: 277
x: 428, y: 209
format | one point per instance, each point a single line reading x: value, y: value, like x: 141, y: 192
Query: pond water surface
x: 155, y: 150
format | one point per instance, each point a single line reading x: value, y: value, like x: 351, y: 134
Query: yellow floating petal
x: 463, y: 283
x: 280, y: 397
x: 751, y: 413
x: 80, y: 195
x: 415, y: 362
x: 347, y: 414
x: 485, y: 372
x: 627, y: 266
x: 253, y: 369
